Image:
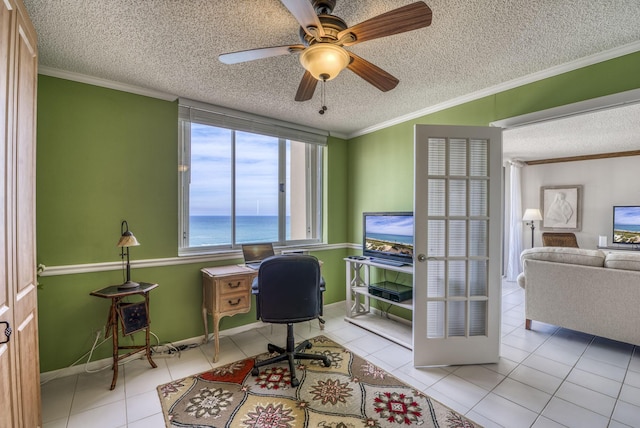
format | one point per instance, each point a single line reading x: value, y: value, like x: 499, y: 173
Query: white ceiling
x: 472, y: 45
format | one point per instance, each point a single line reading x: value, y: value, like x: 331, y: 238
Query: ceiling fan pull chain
x: 323, y: 107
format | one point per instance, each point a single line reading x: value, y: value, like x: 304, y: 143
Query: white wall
x: 606, y: 182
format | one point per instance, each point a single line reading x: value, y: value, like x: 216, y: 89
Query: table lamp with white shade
x: 127, y: 240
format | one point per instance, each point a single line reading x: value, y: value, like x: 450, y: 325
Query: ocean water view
x: 216, y: 230
x: 627, y: 227
x: 403, y: 239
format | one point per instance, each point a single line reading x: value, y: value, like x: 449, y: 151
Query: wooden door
x: 19, y: 357
x: 457, y: 206
x: 8, y: 381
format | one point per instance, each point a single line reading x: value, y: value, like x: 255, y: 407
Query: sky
x: 627, y: 216
x: 390, y: 224
x: 256, y: 169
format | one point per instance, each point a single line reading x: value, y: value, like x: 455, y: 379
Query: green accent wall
x: 105, y: 156
x: 380, y: 171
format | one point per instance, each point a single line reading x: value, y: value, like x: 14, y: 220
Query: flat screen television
x: 388, y: 236
x: 626, y: 225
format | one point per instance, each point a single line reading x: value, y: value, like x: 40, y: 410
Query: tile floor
x: 547, y: 377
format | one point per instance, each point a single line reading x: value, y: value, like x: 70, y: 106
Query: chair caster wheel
x: 271, y: 348
x: 295, y: 382
x: 309, y: 345
x: 327, y: 363
x: 255, y: 371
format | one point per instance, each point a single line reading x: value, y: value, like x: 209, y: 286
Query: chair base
x: 290, y: 354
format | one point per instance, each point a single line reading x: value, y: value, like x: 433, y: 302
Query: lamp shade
x: 126, y: 239
x: 532, y: 214
x: 324, y: 60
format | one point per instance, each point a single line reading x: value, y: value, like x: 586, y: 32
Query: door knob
x: 422, y: 257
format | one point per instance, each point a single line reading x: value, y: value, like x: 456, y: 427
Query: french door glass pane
x: 458, y: 157
x: 435, y: 278
x: 456, y: 318
x: 478, y: 195
x: 457, y: 278
x: 256, y: 188
x: 435, y: 320
x: 457, y: 198
x: 478, y: 277
x: 457, y: 238
x: 437, y: 156
x: 436, y: 203
x: 479, y: 158
x: 436, y: 238
x: 478, y: 238
x: 478, y: 318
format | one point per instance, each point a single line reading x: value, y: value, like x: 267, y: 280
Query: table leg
x: 147, y: 343
x: 204, y: 317
x: 216, y: 338
x: 114, y: 335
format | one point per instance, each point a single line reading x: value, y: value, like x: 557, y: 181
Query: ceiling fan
x: 324, y: 36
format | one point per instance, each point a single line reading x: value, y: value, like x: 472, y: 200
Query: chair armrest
x: 323, y: 285
x: 254, y: 286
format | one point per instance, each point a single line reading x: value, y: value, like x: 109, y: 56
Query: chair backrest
x: 289, y: 288
x: 559, y: 240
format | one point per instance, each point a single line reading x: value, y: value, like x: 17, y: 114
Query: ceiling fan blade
x: 406, y: 18
x: 252, y: 54
x: 372, y: 73
x: 307, y: 87
x: 305, y: 14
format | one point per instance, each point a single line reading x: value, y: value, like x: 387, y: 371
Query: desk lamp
x: 127, y: 240
x: 530, y: 216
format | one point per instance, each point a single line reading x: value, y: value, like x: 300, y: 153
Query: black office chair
x: 288, y: 290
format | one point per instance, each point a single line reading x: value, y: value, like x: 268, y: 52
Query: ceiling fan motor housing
x: 331, y: 24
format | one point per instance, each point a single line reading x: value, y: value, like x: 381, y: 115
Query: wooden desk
x: 226, y: 291
x: 116, y: 295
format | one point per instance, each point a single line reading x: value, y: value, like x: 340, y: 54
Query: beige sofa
x: 584, y: 290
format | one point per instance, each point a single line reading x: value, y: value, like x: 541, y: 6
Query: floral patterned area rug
x: 351, y: 393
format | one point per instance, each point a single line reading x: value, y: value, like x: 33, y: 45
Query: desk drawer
x: 234, y: 284
x: 234, y: 302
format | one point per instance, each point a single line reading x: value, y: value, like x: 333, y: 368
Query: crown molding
x: 593, y: 104
x: 511, y: 84
x: 110, y: 84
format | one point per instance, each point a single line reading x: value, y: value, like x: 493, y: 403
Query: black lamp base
x: 127, y: 285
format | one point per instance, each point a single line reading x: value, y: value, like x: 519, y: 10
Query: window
x: 246, y: 180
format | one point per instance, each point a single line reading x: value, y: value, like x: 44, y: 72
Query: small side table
x: 116, y: 295
x: 226, y: 291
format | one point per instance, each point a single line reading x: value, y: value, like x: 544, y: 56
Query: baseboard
x: 106, y: 363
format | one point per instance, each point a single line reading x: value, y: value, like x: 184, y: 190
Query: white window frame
x: 315, y: 140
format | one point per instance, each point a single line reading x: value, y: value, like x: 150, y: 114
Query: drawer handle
x: 237, y: 302
x: 233, y: 286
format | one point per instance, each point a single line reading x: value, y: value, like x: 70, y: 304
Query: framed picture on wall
x: 561, y: 208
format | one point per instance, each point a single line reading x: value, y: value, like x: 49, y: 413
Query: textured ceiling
x: 172, y: 46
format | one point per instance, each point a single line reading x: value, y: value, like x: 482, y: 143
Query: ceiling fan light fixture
x: 324, y: 60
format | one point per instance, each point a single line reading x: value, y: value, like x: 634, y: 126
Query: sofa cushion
x: 576, y: 256
x: 626, y: 261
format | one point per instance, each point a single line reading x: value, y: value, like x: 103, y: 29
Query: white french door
x: 457, y: 209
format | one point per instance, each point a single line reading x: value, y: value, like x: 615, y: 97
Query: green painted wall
x: 380, y: 172
x: 105, y: 155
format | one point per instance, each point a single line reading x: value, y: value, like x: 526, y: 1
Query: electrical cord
x: 172, y: 351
